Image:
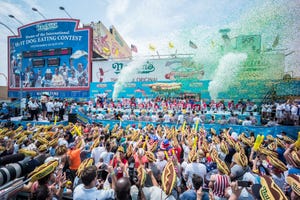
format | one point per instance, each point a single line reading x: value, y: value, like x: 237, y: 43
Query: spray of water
x: 225, y: 73
x: 126, y: 76
x: 269, y: 18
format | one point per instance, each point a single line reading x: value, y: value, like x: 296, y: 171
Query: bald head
x: 123, y: 188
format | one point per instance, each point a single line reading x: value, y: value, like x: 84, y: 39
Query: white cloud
x: 116, y: 8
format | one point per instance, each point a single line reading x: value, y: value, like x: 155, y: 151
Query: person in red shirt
x: 140, y: 158
x: 119, y: 161
x: 176, y: 149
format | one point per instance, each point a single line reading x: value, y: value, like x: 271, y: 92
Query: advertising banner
x: 109, y: 43
x: 49, y: 55
x: 265, y: 66
x: 247, y: 89
x: 151, y: 89
x: 173, y: 69
x: 248, y: 43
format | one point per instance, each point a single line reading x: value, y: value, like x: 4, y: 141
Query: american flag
x: 134, y: 48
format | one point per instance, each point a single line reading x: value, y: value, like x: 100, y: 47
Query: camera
x: 102, y: 174
x: 244, y: 183
x: 132, y: 174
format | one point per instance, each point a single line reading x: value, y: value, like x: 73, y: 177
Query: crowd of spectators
x: 157, y: 162
x: 45, y: 108
x: 284, y: 112
x: 169, y: 110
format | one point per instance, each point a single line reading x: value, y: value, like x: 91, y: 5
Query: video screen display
x: 40, y: 62
x: 53, y: 62
x: 50, y: 54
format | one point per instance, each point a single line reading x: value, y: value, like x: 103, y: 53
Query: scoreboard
x: 47, y: 52
x: 51, y: 62
x: 39, y: 62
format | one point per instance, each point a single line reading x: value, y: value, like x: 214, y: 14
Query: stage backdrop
x: 50, y: 56
x: 176, y: 76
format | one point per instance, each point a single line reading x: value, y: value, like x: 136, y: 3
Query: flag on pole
x: 213, y: 44
x: 193, y: 45
x: 117, y: 52
x: 151, y: 47
x: 106, y: 50
x: 158, y: 54
x: 171, y: 45
x: 134, y: 48
x: 55, y: 120
x: 275, y: 42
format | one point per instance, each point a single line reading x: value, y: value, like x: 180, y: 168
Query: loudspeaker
x: 72, y: 118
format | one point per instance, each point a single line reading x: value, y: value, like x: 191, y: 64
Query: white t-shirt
x: 247, y: 123
x: 197, y: 118
x: 153, y: 118
x: 81, y: 193
x: 180, y: 118
x: 151, y: 193
x: 195, y: 168
x: 100, y: 116
x: 49, y: 106
x: 57, y: 105
x: 125, y: 117
x: 294, y: 110
x: 161, y: 165
x: 167, y: 118
x: 186, y: 151
x: 96, y: 152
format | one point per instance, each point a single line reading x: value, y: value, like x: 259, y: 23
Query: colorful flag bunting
x: 171, y: 45
x: 151, y: 47
x: 106, y: 50
x: 117, y: 52
x: 213, y: 44
x: 134, y: 48
x: 193, y: 45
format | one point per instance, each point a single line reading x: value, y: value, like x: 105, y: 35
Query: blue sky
x: 141, y: 22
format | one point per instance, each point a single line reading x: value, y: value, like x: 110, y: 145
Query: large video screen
x: 50, y: 55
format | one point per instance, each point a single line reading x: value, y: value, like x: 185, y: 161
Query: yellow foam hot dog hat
x: 297, y: 143
x: 258, y: 141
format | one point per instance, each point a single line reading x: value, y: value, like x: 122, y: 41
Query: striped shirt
x: 221, y: 183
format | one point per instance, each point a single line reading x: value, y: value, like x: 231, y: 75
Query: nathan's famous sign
x: 49, y: 55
